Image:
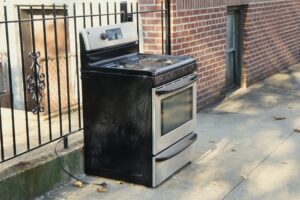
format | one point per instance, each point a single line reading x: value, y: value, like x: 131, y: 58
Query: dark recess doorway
x: 234, y: 34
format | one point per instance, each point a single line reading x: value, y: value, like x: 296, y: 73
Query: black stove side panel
x: 118, y: 126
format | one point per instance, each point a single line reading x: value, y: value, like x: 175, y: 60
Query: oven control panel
x: 108, y: 36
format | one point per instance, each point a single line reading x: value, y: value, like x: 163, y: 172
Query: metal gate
x: 41, y: 67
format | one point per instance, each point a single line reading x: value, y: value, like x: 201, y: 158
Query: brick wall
x: 151, y: 25
x: 195, y: 4
x: 201, y: 33
x: 271, y: 39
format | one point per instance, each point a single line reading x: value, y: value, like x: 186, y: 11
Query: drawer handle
x: 169, y: 155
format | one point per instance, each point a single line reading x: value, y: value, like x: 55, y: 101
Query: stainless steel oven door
x: 174, y: 111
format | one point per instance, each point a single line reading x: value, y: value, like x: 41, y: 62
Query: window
x: 234, y: 47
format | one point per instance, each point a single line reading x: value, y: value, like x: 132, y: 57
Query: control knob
x: 103, y: 36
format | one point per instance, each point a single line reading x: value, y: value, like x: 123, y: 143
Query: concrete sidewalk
x: 243, y: 152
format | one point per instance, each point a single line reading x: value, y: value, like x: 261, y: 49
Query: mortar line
x: 258, y: 165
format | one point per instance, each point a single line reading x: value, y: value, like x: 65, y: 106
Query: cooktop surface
x: 150, y: 64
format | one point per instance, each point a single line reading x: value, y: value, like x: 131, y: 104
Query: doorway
x: 51, y: 57
x: 234, y: 36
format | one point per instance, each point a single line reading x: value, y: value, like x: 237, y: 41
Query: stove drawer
x: 172, y: 159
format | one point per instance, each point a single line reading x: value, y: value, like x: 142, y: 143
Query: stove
x: 139, y: 109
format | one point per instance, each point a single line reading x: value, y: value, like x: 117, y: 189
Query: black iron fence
x: 40, y: 97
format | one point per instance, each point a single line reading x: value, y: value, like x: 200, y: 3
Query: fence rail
x: 44, y: 88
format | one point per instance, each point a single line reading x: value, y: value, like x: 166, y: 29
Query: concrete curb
x: 27, y: 180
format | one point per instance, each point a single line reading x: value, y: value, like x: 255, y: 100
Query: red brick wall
x: 201, y: 33
x: 151, y: 26
x: 195, y: 4
x: 271, y: 39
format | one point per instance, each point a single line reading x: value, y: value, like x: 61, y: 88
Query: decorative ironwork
x: 36, y: 82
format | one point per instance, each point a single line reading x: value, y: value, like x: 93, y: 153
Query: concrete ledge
x: 27, y: 180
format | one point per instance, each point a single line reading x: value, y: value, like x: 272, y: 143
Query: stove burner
x: 143, y: 62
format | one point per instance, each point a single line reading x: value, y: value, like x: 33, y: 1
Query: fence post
x: 66, y: 142
x: 1, y: 134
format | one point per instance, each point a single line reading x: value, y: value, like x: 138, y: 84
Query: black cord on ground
x: 68, y: 173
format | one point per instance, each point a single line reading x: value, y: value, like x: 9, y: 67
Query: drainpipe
x: 168, y: 23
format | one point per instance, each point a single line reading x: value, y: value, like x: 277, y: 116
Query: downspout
x: 168, y: 26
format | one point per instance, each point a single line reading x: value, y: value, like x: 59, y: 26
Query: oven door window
x: 176, y: 110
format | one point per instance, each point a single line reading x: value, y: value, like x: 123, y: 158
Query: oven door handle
x: 177, y: 86
x: 177, y: 148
